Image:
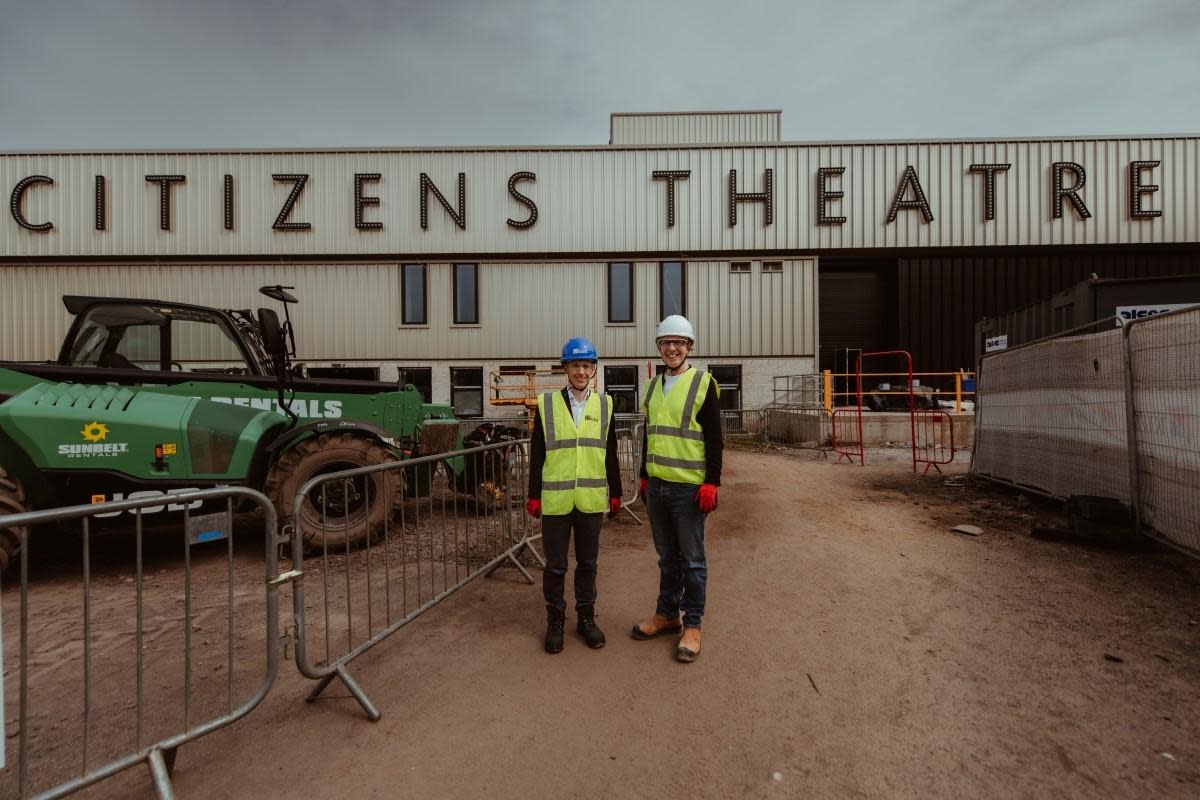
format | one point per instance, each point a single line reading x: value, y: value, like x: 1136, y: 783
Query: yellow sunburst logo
x: 95, y: 431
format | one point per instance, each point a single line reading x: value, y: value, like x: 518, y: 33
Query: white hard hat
x: 675, y: 325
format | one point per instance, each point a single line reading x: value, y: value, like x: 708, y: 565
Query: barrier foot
x: 540, y: 559
x: 160, y: 770
x: 355, y: 691
x: 511, y: 557
x: 523, y: 547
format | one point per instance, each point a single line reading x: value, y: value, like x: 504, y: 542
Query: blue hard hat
x: 578, y: 348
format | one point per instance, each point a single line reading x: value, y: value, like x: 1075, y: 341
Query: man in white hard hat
x: 681, y: 470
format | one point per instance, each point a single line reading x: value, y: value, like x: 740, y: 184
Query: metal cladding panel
x: 601, y: 200
x: 352, y: 311
x: 941, y: 298
x: 740, y: 127
x: 345, y: 310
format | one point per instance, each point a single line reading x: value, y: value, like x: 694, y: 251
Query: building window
x: 344, y: 373
x: 413, y: 295
x: 466, y: 294
x: 739, y: 267
x: 729, y: 381
x: 772, y: 266
x: 420, y: 377
x: 466, y: 391
x: 671, y: 289
x: 620, y: 292
x: 621, y: 384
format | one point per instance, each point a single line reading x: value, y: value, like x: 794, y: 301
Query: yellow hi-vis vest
x: 674, y: 440
x: 573, y: 475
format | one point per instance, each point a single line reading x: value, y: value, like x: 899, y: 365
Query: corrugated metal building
x: 447, y: 264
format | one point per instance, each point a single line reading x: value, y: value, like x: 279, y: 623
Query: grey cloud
x: 141, y: 74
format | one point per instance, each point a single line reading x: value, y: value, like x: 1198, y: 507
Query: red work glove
x: 614, y: 505
x: 533, y: 507
x: 643, y: 488
x: 706, y: 496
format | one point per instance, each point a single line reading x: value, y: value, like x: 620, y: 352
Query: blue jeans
x: 677, y: 524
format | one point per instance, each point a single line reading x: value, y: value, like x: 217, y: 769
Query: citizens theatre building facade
x: 442, y: 265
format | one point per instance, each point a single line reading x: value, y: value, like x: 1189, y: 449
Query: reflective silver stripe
x: 667, y: 430
x: 581, y: 483
x: 548, y: 404
x: 553, y: 443
x: 681, y: 463
x: 650, y: 392
x: 603, y: 419
x: 686, y: 422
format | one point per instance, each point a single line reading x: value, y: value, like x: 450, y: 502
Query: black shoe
x: 555, y: 620
x: 587, y: 627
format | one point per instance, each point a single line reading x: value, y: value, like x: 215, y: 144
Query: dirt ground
x: 853, y: 647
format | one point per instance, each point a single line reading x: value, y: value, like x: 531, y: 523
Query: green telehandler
x: 152, y: 398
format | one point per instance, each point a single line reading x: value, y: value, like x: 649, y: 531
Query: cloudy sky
x: 165, y: 74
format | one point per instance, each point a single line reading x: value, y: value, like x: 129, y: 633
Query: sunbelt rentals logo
x: 94, y: 435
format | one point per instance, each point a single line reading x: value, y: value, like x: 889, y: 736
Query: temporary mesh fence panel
x: 797, y: 391
x: 1166, y: 404
x: 1052, y: 416
x: 796, y: 427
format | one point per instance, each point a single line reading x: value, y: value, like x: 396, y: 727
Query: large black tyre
x: 12, y: 501
x: 356, y: 510
x: 486, y: 475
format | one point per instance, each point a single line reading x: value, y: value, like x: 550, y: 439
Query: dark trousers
x: 556, y: 539
x: 677, y: 524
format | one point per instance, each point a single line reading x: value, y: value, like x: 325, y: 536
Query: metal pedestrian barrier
x: 449, y: 528
x: 630, y: 430
x: 934, y: 444
x: 122, y: 664
x: 847, y: 435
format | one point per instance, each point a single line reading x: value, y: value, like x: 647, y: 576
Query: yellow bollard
x: 828, y: 390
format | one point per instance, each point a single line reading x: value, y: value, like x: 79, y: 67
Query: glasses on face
x: 673, y: 344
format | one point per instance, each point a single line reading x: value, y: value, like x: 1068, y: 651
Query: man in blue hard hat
x: 574, y: 477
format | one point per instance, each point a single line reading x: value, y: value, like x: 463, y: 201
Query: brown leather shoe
x: 656, y: 626
x: 689, y: 645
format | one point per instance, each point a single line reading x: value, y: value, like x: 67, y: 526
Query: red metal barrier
x: 912, y: 407
x: 845, y: 446
x: 934, y: 439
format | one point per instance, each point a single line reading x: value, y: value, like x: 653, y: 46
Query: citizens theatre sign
x: 638, y: 198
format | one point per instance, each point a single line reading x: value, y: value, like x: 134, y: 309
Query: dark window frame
x: 632, y: 294
x: 456, y: 387
x: 726, y: 386
x: 662, y: 308
x: 404, y: 320
x: 475, y: 312
x: 425, y: 387
x: 739, y: 267
x: 623, y: 388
